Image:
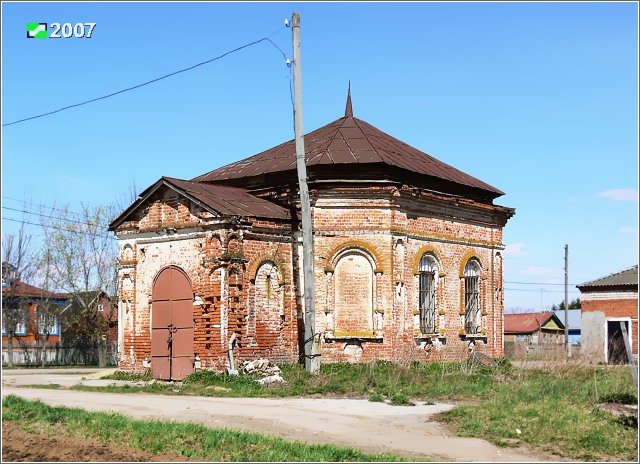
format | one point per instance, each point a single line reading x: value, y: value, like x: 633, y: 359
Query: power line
x: 538, y: 291
x: 30, y: 203
x: 264, y: 39
x: 532, y: 283
x: 86, y: 223
x: 59, y: 228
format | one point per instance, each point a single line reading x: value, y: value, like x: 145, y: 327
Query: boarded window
x: 268, y: 293
x: 353, y: 294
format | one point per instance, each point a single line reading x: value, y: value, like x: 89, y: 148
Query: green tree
x: 17, y: 267
x: 80, y: 256
x: 573, y: 304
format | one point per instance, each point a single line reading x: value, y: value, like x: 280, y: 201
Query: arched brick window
x: 268, y: 291
x: 428, y: 279
x: 354, y: 294
x: 472, y: 310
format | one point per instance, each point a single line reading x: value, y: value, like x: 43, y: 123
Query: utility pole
x: 311, y: 345
x: 566, y: 298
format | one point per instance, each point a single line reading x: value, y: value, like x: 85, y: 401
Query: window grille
x: 427, y: 294
x: 472, y: 298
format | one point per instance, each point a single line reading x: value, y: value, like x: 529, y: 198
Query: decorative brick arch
x: 471, y: 254
x: 255, y: 264
x: 364, y: 247
x: 421, y: 252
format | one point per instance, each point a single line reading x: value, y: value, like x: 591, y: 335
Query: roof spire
x: 348, y: 111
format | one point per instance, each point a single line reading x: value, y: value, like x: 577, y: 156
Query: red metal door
x: 172, y: 325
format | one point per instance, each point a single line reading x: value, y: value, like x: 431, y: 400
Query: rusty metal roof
x: 627, y: 277
x: 233, y: 201
x: 218, y: 199
x: 527, y: 323
x: 347, y: 141
x: 24, y: 290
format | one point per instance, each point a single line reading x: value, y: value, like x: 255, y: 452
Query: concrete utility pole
x: 566, y: 298
x: 311, y: 345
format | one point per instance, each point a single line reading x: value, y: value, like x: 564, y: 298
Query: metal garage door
x: 172, y: 325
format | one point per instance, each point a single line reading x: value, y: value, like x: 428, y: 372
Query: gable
x: 174, y: 202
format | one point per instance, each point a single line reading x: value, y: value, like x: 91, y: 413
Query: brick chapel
x: 408, y: 258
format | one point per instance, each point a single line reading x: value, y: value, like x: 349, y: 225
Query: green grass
x: 554, y: 408
x: 192, y: 440
x: 556, y: 412
x: 344, y: 380
x: 121, y: 375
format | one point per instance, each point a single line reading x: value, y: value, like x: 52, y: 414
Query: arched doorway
x: 172, y: 325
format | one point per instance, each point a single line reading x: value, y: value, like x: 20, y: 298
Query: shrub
x: 400, y: 399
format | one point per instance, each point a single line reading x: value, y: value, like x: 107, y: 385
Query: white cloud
x: 516, y: 250
x: 619, y: 195
x: 627, y: 230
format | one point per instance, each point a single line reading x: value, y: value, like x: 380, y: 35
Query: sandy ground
x: 371, y: 427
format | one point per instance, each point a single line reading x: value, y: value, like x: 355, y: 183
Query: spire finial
x: 348, y: 111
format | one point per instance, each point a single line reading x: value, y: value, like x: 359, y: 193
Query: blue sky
x: 538, y: 99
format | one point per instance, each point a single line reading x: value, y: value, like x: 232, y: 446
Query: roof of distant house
x: 627, y: 277
x: 351, y: 146
x: 24, y: 290
x: 527, y: 323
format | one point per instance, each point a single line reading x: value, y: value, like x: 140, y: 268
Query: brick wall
x: 615, y: 305
x: 367, y: 243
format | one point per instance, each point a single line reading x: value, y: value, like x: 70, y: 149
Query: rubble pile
x: 269, y: 372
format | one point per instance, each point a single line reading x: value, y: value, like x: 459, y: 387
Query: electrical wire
x: 59, y: 228
x: 264, y: 39
x: 538, y: 291
x: 532, y: 283
x: 101, y: 226
x: 30, y: 203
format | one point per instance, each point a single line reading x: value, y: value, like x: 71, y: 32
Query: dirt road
x: 360, y: 424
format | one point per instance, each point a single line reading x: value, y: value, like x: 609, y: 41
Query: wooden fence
x: 60, y: 355
x: 522, y: 350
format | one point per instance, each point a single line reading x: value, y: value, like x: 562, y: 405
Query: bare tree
x: 123, y: 201
x: 80, y: 258
x: 17, y: 268
x: 46, y: 320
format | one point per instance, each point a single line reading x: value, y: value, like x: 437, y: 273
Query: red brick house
x: 605, y: 303
x: 407, y: 255
x: 29, y: 317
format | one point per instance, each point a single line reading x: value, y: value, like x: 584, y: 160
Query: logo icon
x: 37, y: 31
